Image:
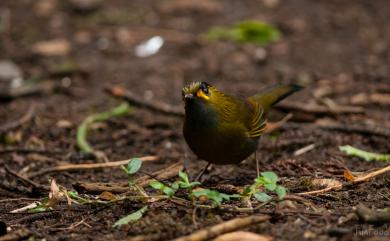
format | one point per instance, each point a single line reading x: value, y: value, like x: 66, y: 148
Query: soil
x: 340, y: 48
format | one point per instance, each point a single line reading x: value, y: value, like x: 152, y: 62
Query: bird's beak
x: 188, y: 96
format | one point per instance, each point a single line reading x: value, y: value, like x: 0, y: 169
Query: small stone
x: 9, y: 70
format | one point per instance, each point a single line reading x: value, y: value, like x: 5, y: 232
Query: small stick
x: 160, y: 175
x: 356, y: 181
x: 304, y: 149
x: 15, y: 124
x: 35, y: 185
x: 276, y: 125
x: 136, y: 100
x: 71, y: 167
x: 225, y: 227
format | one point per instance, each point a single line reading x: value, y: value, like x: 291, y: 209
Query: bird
x: 224, y: 129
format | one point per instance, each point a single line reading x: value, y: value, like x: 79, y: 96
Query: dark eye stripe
x: 204, y: 88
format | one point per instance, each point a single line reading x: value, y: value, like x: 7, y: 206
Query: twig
x: 356, y: 181
x: 18, y: 234
x: 225, y: 227
x: 31, y: 217
x: 160, y: 175
x: 276, y: 125
x: 41, y: 88
x: 304, y: 149
x: 15, y: 124
x: 38, y: 187
x: 72, y: 167
x: 136, y: 100
x: 320, y: 109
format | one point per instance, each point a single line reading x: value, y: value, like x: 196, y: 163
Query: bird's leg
x: 257, y: 164
x: 186, y: 162
x: 202, y: 172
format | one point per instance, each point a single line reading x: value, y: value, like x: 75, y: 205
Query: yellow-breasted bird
x: 224, y: 129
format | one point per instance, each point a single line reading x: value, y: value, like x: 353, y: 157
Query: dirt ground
x: 338, y: 49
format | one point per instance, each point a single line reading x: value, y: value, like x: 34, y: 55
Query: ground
x: 340, y: 50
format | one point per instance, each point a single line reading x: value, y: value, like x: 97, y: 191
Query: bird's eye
x: 204, y: 89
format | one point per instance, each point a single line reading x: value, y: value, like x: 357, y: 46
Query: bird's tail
x: 274, y: 94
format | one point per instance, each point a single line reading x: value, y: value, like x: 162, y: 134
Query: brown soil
x: 339, y: 45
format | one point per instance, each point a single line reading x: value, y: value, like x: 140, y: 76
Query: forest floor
x: 68, y: 54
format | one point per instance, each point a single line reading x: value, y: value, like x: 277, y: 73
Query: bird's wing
x: 229, y: 108
x: 257, y: 120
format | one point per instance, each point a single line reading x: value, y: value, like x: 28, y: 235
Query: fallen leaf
x: 348, y: 175
x: 54, y: 195
x: 108, y: 196
x: 325, y: 182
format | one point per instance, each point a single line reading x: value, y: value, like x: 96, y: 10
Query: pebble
x: 9, y: 71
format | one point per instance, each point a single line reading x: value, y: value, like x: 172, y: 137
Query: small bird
x: 223, y: 129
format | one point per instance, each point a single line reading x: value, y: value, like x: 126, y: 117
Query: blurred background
x: 58, y: 56
x: 61, y: 54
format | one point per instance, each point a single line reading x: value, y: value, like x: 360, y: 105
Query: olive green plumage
x: 222, y: 129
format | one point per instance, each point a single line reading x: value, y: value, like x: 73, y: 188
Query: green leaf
x: 162, y: 187
x: 247, y: 190
x: 175, y: 185
x: 368, y: 156
x: 184, y: 176
x: 133, y: 166
x: 269, y: 177
x: 156, y: 185
x: 131, y: 218
x: 213, y: 195
x: 262, y: 197
x: 256, y: 32
x: 280, y: 191
x: 270, y: 186
x: 73, y: 194
x: 168, y: 191
x: 82, y: 130
x: 247, y: 31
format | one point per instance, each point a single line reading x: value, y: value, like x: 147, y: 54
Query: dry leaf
x: 243, y: 236
x: 108, y: 196
x: 348, y: 175
x: 118, y: 91
x: 325, y: 182
x: 54, y: 195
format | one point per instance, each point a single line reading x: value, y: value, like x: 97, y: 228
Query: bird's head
x: 199, y: 91
x: 201, y: 100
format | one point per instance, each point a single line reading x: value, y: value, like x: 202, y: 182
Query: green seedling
x: 82, y: 130
x: 216, y: 197
x: 368, y: 156
x: 131, y: 218
x: 162, y: 187
x: 267, y: 181
x: 132, y: 167
x: 250, y: 31
x: 184, y: 182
